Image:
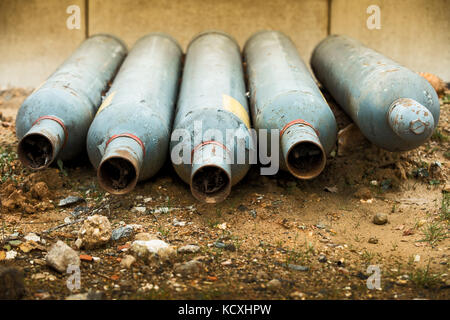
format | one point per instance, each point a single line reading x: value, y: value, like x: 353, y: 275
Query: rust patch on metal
x: 60, y: 122
x: 128, y: 135
x: 298, y: 121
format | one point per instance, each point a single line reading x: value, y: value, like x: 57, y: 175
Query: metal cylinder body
x: 284, y: 96
x: 53, y: 121
x: 212, y: 119
x: 394, y: 107
x: 129, y: 137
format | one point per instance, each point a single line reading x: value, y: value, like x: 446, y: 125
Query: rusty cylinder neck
x: 40, y: 146
x: 210, y: 173
x: 119, y: 169
x: 302, y: 151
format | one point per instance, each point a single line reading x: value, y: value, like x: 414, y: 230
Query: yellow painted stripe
x: 106, y: 102
x: 232, y: 105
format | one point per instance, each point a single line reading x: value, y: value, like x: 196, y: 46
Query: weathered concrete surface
x: 34, y: 39
x: 413, y: 32
x: 304, y: 21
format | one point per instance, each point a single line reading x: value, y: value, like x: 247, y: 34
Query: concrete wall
x: 304, y: 21
x: 34, y: 38
x: 415, y: 33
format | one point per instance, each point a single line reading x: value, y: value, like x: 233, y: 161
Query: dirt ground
x: 317, y: 238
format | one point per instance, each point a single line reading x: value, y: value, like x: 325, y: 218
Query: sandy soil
x: 268, y: 224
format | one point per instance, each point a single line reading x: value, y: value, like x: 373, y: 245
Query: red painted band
x: 60, y: 122
x: 205, y: 143
x: 127, y: 135
x: 298, y: 121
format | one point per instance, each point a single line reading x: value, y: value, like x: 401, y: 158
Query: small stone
x: 148, y: 287
x: 153, y: 246
x: 127, y: 261
x: 219, y: 245
x: 297, y: 295
x: 14, y: 236
x: 11, y: 255
x: 139, y: 209
x: 321, y: 225
x: 274, y: 285
x: 15, y: 243
x: 12, y: 286
x: 322, y: 258
x: 61, y: 256
x: 70, y: 200
x: 95, y: 232
x: 90, y: 295
x: 122, y: 232
x: 222, y: 226
x: 39, y: 276
x: 416, y: 258
x: 78, y: 243
x: 177, y: 223
x: 144, y: 236
x: 40, y: 262
x: 297, y: 267
x: 153, y: 250
x: 380, y: 218
x: 188, y: 268
x: 32, y: 237
x: 190, y: 248
x: 227, y: 262
x: 373, y: 240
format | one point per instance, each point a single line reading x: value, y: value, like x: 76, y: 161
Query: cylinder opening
x: 211, y: 184
x: 117, y: 175
x: 35, y: 151
x: 306, y: 160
